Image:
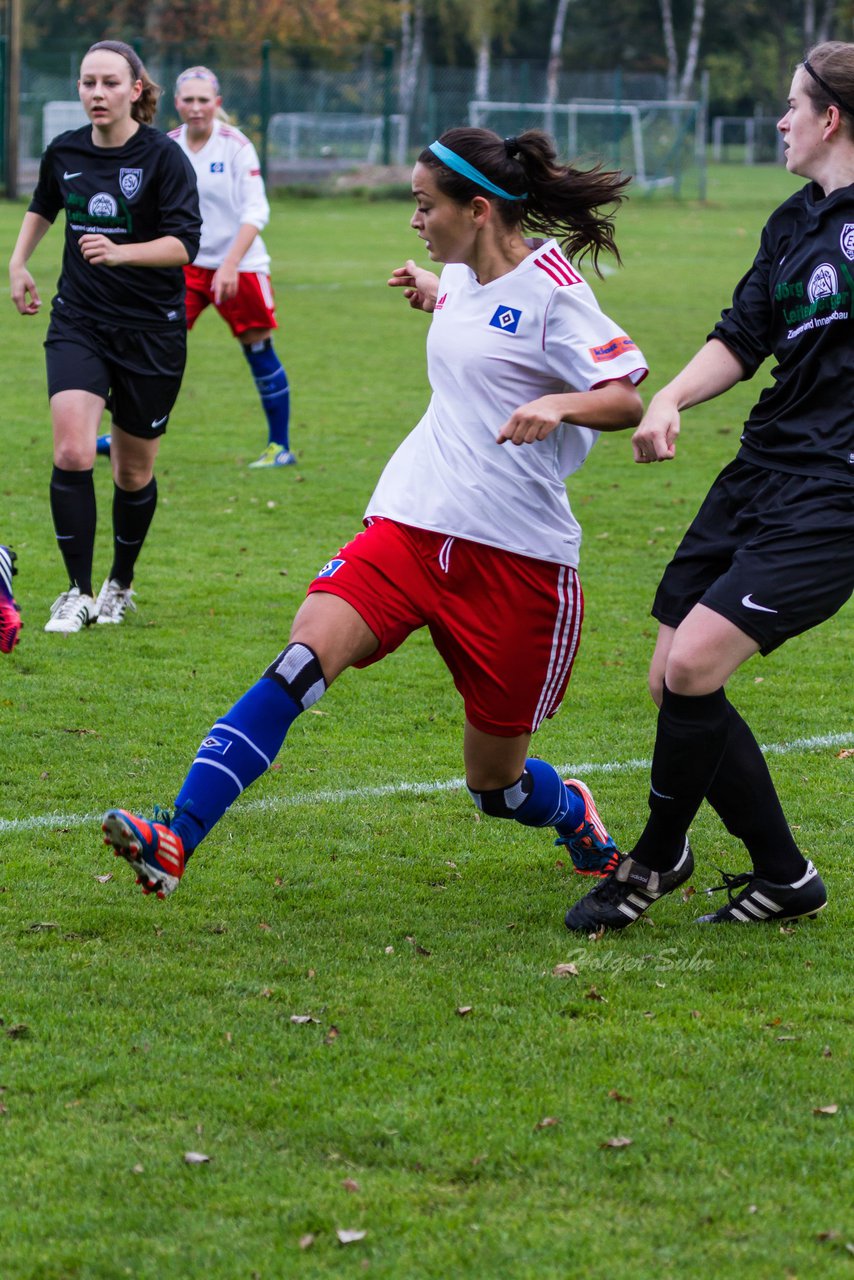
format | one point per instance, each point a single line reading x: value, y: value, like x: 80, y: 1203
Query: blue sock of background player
x: 272, y: 383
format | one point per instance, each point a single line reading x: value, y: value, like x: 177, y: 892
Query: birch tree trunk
x: 693, y: 51
x: 411, y: 53
x: 484, y: 59
x: 553, y: 71
x: 670, y: 47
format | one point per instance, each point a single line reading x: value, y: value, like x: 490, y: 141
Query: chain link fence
x: 310, y: 124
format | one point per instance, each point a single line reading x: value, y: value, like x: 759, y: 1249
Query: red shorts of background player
x: 507, y: 626
x: 252, y: 307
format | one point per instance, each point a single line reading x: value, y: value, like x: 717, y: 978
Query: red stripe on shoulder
x: 556, y: 265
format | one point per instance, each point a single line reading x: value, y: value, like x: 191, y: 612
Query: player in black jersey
x: 117, y: 333
x: 771, y: 552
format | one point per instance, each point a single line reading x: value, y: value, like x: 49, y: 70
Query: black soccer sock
x: 689, y: 744
x: 133, y: 512
x: 72, y: 505
x: 743, y: 794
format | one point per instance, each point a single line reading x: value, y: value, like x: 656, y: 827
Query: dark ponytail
x: 561, y: 201
x: 145, y: 107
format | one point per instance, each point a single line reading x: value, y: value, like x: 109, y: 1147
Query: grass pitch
x: 355, y: 886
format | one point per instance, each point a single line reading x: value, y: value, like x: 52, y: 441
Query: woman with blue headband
x: 770, y: 554
x: 469, y: 530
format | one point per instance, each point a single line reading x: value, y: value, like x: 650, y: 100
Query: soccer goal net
x: 337, y: 138
x: 658, y: 142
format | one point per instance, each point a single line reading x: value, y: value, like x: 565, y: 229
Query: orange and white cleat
x: 591, y: 848
x: 155, y: 852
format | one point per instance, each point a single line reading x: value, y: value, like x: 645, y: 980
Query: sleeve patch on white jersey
x: 610, y: 351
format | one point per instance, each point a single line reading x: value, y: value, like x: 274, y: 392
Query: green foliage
x: 135, y: 1031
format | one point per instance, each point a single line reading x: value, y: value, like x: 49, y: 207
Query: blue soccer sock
x: 272, y: 383
x: 538, y: 799
x: 243, y: 744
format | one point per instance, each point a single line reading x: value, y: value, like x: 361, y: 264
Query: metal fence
x: 309, y: 124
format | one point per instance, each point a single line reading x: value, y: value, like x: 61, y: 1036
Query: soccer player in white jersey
x: 232, y: 267
x: 469, y: 531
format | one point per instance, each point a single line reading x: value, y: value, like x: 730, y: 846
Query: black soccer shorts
x: 137, y: 373
x: 771, y: 552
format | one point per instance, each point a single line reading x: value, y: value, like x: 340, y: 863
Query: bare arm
x: 614, y: 406
x: 420, y: 286
x: 33, y: 230
x: 713, y: 370
x: 225, y: 279
x: 167, y: 251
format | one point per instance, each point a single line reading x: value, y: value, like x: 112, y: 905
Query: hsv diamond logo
x: 331, y: 566
x: 219, y: 745
x: 506, y: 318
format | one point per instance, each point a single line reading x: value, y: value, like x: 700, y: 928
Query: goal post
x: 658, y: 141
x: 340, y: 139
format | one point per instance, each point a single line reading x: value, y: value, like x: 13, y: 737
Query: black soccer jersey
x: 135, y: 193
x: 797, y: 304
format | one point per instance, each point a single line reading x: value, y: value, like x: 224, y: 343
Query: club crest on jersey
x: 130, y: 181
x: 823, y: 282
x: 331, y: 566
x: 103, y: 205
x: 846, y: 241
x: 219, y: 745
x: 506, y: 319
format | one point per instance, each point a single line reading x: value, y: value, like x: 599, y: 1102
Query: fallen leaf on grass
x: 599, y: 933
x: 265, y: 993
x: 593, y: 994
x: 332, y: 1034
x: 389, y: 951
x: 196, y: 1157
x: 785, y: 928
x: 616, y: 1096
x: 419, y: 950
x: 548, y: 1122
x: 782, y: 1038
x: 105, y: 879
x: 306, y: 1241
x: 830, y: 1110
x: 350, y: 1184
x: 265, y: 926
x: 567, y: 970
x: 42, y: 926
x: 463, y: 1010
x: 137, y: 1168
x: 845, y: 754
x: 18, y: 1031
x: 616, y: 1142
x: 302, y: 1018
x: 350, y: 1237
x: 827, y: 1052
x: 688, y: 892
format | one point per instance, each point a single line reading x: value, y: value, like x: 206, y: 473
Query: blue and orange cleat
x: 10, y: 617
x: 592, y: 850
x: 154, y: 851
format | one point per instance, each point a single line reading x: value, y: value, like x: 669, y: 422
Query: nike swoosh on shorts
x: 751, y: 604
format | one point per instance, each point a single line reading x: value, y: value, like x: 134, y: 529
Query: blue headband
x: 461, y: 166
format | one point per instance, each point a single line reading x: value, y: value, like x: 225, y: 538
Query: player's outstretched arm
x: 713, y: 370
x: 613, y: 406
x: 420, y: 286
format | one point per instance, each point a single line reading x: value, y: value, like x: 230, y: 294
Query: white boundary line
x: 40, y: 822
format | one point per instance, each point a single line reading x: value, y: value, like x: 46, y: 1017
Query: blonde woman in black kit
x: 117, y: 333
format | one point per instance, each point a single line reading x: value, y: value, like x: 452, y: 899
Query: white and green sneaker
x: 274, y: 456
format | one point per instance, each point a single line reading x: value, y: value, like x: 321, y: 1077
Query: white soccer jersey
x: 491, y: 348
x: 231, y: 192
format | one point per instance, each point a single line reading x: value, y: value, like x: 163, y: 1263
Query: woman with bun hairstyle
x: 117, y: 333
x: 469, y: 531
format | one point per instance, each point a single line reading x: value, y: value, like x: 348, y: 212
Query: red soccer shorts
x: 507, y: 626
x: 252, y: 307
